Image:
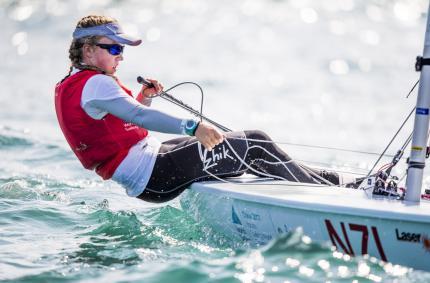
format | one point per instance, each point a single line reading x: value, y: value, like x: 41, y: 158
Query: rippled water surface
x: 330, y: 73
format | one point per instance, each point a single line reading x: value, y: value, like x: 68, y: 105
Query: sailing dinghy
x: 378, y: 219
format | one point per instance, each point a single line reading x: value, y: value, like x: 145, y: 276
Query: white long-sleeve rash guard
x: 102, y: 95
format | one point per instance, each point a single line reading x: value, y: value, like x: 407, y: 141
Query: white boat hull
x: 355, y: 223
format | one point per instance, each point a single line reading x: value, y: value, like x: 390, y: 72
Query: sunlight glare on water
x: 328, y: 73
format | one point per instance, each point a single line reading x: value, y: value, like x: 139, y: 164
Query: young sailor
x: 107, y: 128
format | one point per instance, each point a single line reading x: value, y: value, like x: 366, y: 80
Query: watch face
x: 190, y: 124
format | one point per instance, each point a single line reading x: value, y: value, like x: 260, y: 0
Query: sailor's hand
x: 208, y: 136
x: 148, y: 92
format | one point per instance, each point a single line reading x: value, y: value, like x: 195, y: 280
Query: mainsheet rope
x: 169, y: 98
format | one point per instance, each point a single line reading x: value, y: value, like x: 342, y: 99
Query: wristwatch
x: 191, y: 127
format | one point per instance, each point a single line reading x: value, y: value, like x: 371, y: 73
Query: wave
x: 9, y: 141
x: 36, y: 187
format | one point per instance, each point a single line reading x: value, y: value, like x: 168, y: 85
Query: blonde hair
x: 75, y: 49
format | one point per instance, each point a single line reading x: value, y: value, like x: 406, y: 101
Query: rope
x: 398, y: 156
x: 391, y: 141
x: 395, y: 135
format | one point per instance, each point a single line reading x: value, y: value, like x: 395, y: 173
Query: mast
x: 421, y: 125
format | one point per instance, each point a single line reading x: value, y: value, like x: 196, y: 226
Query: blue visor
x: 110, y: 30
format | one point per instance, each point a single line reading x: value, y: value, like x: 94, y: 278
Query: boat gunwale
x: 410, y: 211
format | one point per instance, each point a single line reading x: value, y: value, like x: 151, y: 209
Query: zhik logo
x: 211, y: 158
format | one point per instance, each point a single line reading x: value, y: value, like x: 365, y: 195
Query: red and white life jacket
x: 98, y: 144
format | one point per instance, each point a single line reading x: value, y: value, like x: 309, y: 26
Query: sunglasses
x: 113, y: 49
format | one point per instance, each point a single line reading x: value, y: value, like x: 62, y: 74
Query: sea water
x: 331, y: 73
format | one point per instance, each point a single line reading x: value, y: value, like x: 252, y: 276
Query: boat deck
x: 316, y: 198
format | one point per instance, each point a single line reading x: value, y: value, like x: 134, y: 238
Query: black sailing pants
x: 183, y: 160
